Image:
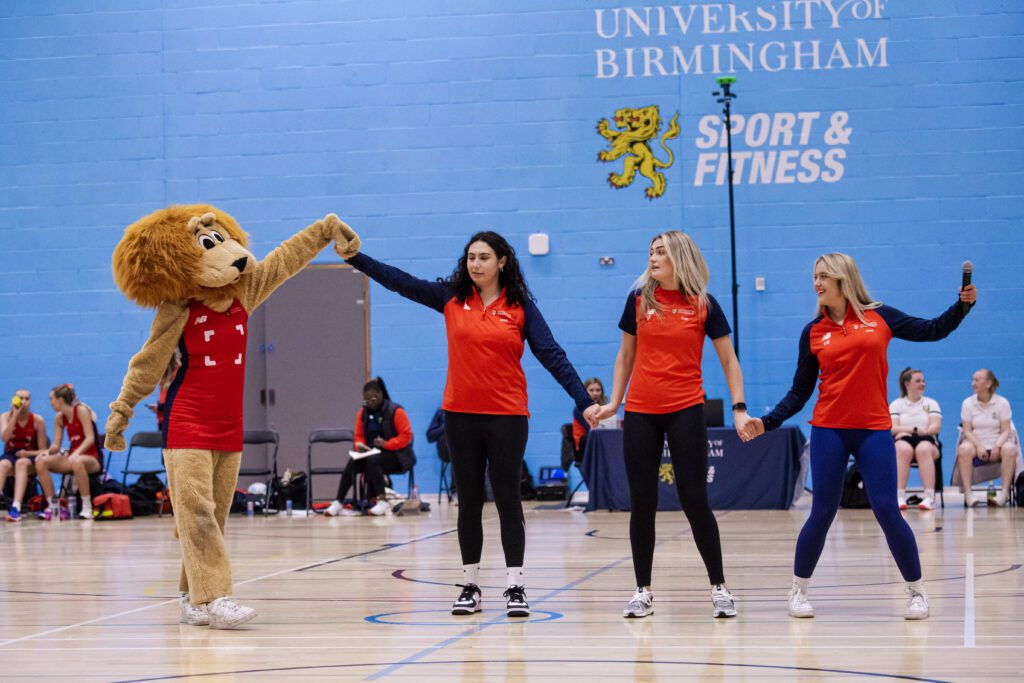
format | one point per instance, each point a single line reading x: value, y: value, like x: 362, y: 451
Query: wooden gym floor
x: 367, y: 599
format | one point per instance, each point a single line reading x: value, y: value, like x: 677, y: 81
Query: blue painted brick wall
x: 421, y: 122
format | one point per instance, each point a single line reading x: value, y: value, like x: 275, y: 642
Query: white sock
x: 901, y: 493
x: 929, y: 493
x: 515, y: 576
x: 16, y: 505
x: 800, y: 583
x: 86, y: 504
x: 916, y: 586
x: 471, y: 574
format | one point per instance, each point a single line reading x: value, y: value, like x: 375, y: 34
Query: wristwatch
x: 736, y: 407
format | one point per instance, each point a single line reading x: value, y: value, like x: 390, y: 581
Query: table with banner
x: 761, y: 474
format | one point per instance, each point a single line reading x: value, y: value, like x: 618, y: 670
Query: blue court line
x: 497, y: 619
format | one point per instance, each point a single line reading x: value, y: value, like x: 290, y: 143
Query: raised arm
x: 552, y: 356
x: 145, y: 370
x: 431, y: 294
x: 907, y: 327
x: 292, y: 255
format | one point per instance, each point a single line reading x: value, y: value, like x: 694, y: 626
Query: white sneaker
x: 799, y: 607
x: 970, y: 500
x: 917, y: 604
x: 999, y: 501
x: 725, y: 604
x: 642, y: 605
x: 903, y: 503
x: 926, y: 504
x: 334, y: 509
x: 226, y: 613
x: 380, y: 509
x: 193, y: 615
x: 86, y: 513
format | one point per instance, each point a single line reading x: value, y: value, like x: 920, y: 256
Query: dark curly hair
x: 510, y: 278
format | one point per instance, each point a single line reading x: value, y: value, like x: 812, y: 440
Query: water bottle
x: 991, y: 492
x: 288, y: 507
x: 72, y: 506
x: 55, y: 508
x: 250, y: 508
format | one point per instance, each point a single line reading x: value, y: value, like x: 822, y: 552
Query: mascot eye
x: 207, y: 242
x: 216, y: 236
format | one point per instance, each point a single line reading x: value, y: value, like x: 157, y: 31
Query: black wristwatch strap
x: 739, y: 406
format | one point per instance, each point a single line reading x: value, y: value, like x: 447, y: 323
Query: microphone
x: 968, y: 269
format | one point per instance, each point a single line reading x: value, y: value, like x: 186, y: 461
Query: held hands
x: 742, y: 423
x: 753, y: 427
x: 969, y: 294
x: 591, y: 415
x: 346, y: 241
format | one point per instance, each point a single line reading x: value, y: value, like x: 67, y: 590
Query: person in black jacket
x: 383, y: 426
x: 435, y: 434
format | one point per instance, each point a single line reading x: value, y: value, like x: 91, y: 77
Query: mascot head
x: 190, y: 251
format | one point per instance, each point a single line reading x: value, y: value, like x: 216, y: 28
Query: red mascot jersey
x: 204, y: 403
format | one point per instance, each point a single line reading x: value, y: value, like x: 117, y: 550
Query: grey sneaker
x: 641, y: 605
x: 725, y: 604
x: 917, y: 604
x: 226, y: 613
x: 193, y: 615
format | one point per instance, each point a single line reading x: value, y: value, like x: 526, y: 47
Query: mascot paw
x: 114, y: 442
x: 346, y: 241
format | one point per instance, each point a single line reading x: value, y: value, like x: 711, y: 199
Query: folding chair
x: 990, y: 471
x: 142, y: 440
x: 445, y: 486
x: 259, y: 437
x: 939, y: 488
x: 324, y: 436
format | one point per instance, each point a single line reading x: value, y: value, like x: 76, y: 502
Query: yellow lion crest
x: 635, y: 128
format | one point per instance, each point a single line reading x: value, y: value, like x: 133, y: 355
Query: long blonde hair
x: 843, y: 269
x: 688, y: 265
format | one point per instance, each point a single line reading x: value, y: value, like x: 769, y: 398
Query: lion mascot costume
x: 191, y: 263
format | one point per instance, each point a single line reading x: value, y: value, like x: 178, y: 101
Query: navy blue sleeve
x: 907, y: 327
x: 436, y: 429
x: 627, y: 323
x: 431, y: 294
x: 804, y: 379
x: 552, y: 357
x: 716, y: 326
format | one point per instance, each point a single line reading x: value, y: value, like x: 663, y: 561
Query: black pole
x: 726, y: 96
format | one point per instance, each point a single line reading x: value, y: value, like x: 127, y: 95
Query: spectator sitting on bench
x: 24, y: 435
x: 987, y: 436
x: 83, y: 456
x: 383, y: 425
x: 916, y: 423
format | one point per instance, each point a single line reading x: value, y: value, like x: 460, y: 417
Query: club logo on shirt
x: 503, y: 316
x: 686, y: 313
x: 826, y: 339
x: 650, y: 313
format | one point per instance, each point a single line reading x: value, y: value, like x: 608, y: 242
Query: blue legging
x: 875, y: 454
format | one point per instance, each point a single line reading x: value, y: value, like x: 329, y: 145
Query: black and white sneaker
x: 469, y: 599
x: 517, y: 606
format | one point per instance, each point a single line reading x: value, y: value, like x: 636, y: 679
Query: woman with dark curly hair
x: 489, y: 313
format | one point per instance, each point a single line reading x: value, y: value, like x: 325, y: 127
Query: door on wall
x: 308, y: 358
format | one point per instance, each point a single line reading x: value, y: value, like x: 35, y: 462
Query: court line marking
x: 969, y: 602
x: 970, y: 522
x: 655, y: 662
x: 497, y: 619
x: 304, y: 567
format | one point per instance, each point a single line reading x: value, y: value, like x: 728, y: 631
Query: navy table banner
x: 760, y: 475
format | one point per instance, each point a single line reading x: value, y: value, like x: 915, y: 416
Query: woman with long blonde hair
x: 846, y: 345
x: 668, y: 314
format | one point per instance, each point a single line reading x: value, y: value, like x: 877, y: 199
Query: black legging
x: 644, y: 435
x: 375, y: 467
x: 476, y: 441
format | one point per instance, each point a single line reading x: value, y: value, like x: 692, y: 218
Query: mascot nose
x: 240, y: 263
